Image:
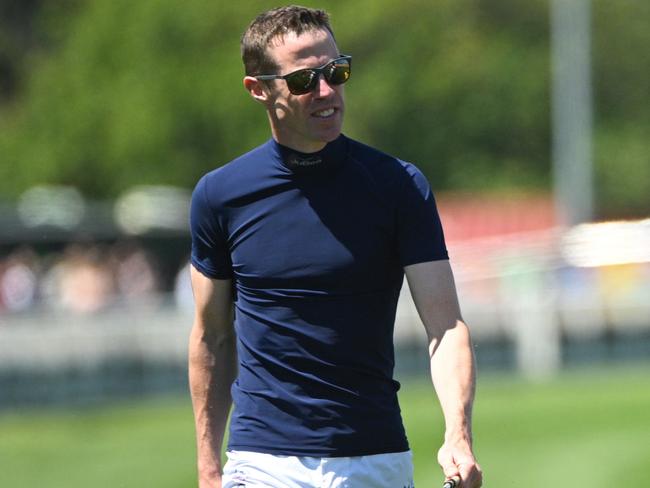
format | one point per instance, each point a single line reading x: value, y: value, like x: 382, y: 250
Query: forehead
x: 308, y: 50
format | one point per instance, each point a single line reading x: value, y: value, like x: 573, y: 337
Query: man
x: 306, y: 240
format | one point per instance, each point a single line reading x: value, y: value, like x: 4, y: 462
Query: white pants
x: 254, y: 469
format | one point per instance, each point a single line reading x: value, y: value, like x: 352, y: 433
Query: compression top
x: 316, y: 246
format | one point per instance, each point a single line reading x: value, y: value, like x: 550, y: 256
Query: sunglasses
x: 336, y: 72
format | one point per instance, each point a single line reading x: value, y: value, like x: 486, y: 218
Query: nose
x: 323, y: 88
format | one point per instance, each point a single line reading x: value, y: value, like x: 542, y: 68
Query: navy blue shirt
x: 316, y: 248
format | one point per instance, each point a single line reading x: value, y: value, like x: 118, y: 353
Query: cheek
x: 284, y: 107
x: 340, y: 90
x: 298, y: 106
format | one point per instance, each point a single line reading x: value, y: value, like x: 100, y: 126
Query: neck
x: 303, y: 146
x: 306, y: 147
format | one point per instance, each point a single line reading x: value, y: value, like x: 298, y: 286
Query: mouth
x: 325, y: 113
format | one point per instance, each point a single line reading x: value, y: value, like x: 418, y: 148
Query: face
x: 306, y: 122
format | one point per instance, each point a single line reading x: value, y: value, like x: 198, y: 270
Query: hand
x: 456, y: 459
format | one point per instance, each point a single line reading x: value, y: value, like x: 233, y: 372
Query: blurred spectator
x: 136, y: 280
x: 81, y: 281
x: 86, y: 278
x: 19, y: 280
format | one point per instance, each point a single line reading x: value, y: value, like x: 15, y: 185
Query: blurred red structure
x: 467, y: 217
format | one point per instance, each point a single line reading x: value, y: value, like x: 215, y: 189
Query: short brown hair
x: 273, y: 24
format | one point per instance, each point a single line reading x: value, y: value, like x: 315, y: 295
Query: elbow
x: 452, y: 332
x: 437, y: 328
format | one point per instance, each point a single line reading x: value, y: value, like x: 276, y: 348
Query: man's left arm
x: 452, y: 365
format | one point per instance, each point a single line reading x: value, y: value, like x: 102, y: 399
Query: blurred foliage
x: 621, y: 67
x: 16, y: 38
x: 116, y: 93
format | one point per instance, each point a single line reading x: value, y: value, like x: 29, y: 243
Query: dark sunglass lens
x: 339, y: 73
x: 301, y: 82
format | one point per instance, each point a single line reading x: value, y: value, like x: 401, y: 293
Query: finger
x: 471, y: 475
x: 451, y: 471
x: 449, y: 467
x: 453, y: 482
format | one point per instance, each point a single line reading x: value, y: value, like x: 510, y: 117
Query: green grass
x: 591, y: 428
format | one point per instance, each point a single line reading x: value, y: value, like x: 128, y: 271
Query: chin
x: 330, y: 135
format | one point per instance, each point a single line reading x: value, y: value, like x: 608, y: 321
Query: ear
x: 257, y: 89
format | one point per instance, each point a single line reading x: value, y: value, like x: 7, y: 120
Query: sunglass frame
x: 317, y: 72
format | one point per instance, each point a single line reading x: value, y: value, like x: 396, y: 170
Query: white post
x: 572, y: 110
x: 529, y: 299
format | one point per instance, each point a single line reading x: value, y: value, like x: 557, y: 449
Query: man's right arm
x: 212, y: 370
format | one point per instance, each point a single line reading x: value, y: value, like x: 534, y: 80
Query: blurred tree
x: 17, y: 38
x: 622, y: 112
x: 133, y: 96
x: 23, y: 35
x: 459, y: 89
x: 150, y: 92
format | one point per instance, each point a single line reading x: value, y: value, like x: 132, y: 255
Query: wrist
x: 458, y: 436
x: 209, y: 470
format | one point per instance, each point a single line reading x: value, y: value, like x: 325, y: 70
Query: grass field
x: 591, y: 428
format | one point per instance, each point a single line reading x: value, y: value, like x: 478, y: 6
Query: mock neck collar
x: 324, y: 161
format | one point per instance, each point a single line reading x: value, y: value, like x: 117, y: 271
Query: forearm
x: 212, y: 369
x: 452, y: 365
x: 454, y: 378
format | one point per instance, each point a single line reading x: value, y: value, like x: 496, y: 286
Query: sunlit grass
x: 591, y: 428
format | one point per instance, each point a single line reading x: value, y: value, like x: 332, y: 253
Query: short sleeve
x: 210, y: 253
x: 419, y: 231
